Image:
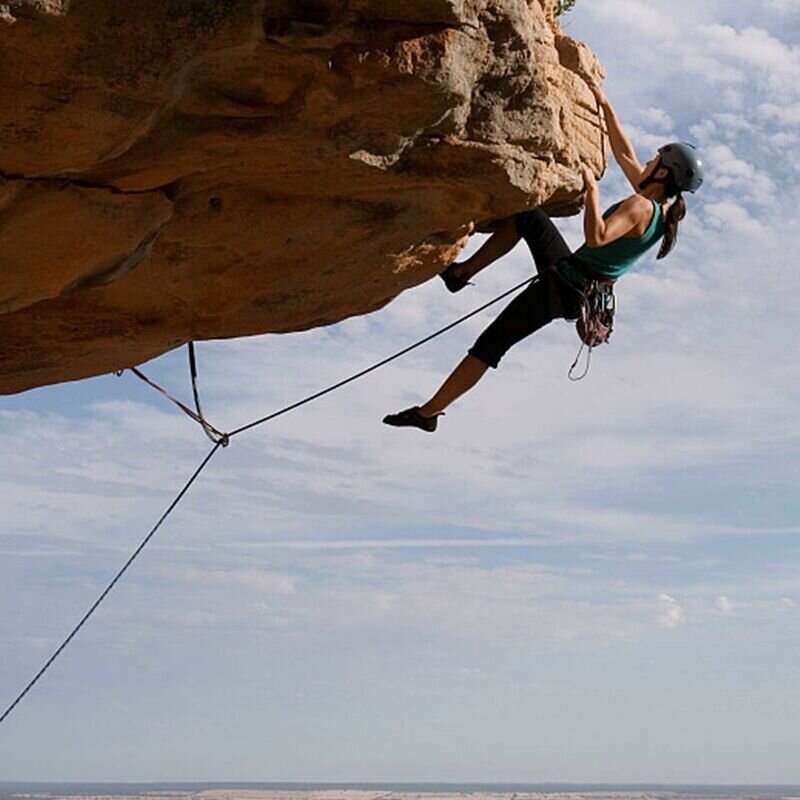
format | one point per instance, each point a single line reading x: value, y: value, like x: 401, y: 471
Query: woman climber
x: 614, y: 241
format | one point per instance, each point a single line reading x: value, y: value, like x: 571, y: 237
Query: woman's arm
x: 620, y: 144
x: 626, y: 217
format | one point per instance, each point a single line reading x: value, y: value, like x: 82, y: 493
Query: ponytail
x: 676, y: 212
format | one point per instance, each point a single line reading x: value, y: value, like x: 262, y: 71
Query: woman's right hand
x: 589, y: 180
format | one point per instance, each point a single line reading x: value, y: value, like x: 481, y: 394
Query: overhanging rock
x: 195, y: 169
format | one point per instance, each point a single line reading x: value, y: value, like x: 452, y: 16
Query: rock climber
x: 614, y: 241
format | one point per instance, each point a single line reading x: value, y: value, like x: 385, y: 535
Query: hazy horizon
x: 560, y: 787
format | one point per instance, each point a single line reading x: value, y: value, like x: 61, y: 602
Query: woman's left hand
x: 598, y: 93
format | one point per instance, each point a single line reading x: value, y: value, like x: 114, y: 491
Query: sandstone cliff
x: 194, y: 169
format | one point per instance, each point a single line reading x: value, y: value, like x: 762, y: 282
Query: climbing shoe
x: 412, y: 418
x: 453, y: 282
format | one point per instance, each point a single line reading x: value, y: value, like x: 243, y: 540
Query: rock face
x: 193, y: 169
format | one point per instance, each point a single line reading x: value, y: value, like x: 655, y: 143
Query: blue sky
x: 591, y: 582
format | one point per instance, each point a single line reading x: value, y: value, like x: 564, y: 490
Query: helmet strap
x: 651, y: 180
x: 660, y: 181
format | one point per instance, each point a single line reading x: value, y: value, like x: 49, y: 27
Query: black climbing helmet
x: 682, y: 159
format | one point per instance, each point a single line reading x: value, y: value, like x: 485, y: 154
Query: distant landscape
x: 377, y: 791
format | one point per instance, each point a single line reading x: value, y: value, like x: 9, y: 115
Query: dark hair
x: 675, y: 213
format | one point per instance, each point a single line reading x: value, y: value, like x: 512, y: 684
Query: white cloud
x: 784, y: 6
x: 712, y: 71
x: 785, y: 140
x: 671, y: 613
x: 733, y: 175
x: 260, y: 581
x: 733, y: 97
x: 784, y: 114
x: 723, y: 604
x: 642, y: 19
x: 657, y: 118
x: 729, y: 216
x: 757, y: 48
x: 189, y: 619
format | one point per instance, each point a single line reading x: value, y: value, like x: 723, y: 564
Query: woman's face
x: 650, y: 166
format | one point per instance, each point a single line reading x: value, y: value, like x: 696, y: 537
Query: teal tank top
x: 617, y: 257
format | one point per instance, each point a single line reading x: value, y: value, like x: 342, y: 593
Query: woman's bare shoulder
x: 639, y: 210
x: 637, y: 201
x: 635, y: 206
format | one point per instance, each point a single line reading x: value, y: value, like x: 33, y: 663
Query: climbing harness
x: 595, y: 323
x: 220, y: 440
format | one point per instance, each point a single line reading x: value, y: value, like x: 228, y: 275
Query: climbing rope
x: 382, y: 363
x: 221, y: 440
x: 111, y: 585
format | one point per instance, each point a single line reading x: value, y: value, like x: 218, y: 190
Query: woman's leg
x: 528, y: 312
x: 525, y: 314
x: 460, y: 381
x: 543, y: 238
x: 496, y: 246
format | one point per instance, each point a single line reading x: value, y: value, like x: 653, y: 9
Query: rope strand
x: 111, y: 585
x: 379, y: 364
x: 223, y: 441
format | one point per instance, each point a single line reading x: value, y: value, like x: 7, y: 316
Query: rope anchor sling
x: 215, y: 435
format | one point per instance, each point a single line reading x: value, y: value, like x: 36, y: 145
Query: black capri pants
x: 547, y: 298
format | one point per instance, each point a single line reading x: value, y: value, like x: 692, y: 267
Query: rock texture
x: 192, y: 169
